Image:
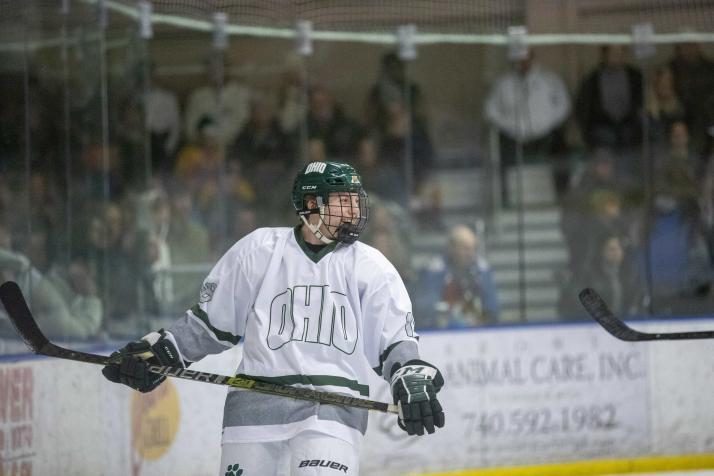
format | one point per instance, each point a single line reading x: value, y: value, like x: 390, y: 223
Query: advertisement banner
x: 513, y: 396
x: 62, y: 417
x: 17, y: 420
x: 524, y: 396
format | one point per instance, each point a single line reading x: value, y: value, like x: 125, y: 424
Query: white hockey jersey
x: 319, y: 320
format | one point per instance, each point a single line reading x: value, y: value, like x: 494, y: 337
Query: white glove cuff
x: 153, y: 337
x: 422, y: 370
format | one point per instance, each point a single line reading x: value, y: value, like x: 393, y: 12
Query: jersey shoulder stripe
x: 220, y: 335
x: 384, y: 356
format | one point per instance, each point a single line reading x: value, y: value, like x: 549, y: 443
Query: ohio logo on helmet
x: 318, y: 167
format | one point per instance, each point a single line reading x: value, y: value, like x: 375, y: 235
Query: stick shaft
x: 26, y: 326
x: 246, y: 383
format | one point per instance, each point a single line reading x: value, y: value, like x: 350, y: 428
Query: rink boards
x: 532, y: 395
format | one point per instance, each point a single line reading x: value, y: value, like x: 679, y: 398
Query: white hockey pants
x: 307, y: 454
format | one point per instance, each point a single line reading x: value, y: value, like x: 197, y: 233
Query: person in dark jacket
x: 609, y: 102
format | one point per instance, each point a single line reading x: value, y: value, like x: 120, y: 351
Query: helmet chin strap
x: 315, y: 229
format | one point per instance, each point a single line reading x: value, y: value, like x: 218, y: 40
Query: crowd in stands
x: 635, y: 216
x: 111, y: 237
x: 124, y: 223
x: 637, y: 208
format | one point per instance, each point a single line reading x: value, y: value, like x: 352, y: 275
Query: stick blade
x: 598, y: 310
x: 21, y: 317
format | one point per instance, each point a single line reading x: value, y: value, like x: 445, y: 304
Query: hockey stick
x: 598, y: 310
x: 25, y: 325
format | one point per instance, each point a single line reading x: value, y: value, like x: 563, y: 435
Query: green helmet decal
x: 320, y: 179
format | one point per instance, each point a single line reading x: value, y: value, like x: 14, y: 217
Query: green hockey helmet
x: 320, y: 180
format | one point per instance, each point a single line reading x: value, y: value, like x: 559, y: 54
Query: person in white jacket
x: 527, y: 104
x: 223, y: 100
x: 64, y: 301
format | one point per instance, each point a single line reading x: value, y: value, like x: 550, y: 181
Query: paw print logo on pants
x: 234, y: 470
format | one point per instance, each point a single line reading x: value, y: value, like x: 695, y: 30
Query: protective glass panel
x: 139, y: 141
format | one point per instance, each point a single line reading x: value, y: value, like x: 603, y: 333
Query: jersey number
x: 312, y: 314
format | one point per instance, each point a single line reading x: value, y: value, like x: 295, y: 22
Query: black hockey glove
x: 414, y: 388
x: 133, y: 370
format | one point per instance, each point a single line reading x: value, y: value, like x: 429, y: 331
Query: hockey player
x: 316, y: 308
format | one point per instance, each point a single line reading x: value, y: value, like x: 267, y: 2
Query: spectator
x: 264, y: 155
x: 399, y: 136
x: 261, y: 139
x: 393, y: 86
x: 44, y: 211
x: 707, y: 199
x: 241, y: 192
x: 128, y: 133
x: 676, y: 172
x: 8, y: 200
x: 163, y: 122
x: 77, y: 286
x: 599, y: 173
x: 220, y: 204
x: 242, y: 222
x: 116, y: 258
x: 677, y: 161
x: 663, y: 106
x: 609, y: 103
x: 177, y: 242
x: 681, y: 149
x: 693, y: 75
x: 100, y: 180
x: 240, y: 203
x: 326, y: 120
x: 199, y: 163
x: 460, y: 285
x: 44, y: 134
x: 11, y: 129
x: 527, y: 104
x: 64, y: 305
x: 222, y: 100
x: 674, y: 246
x: 386, y: 182
x: 595, y: 205
x: 674, y: 257
x: 389, y: 232
x: 611, y: 273
x: 292, y: 104
x: 316, y: 150
x: 159, y: 255
x: 602, y: 215
x: 708, y: 150
x: 397, y: 119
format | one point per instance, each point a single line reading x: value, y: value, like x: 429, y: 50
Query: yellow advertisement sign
x: 154, y: 420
